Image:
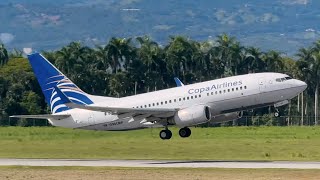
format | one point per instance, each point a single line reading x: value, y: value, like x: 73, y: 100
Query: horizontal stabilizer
x: 43, y: 116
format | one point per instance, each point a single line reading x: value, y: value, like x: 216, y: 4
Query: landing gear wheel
x: 165, y: 134
x: 276, y: 114
x: 184, y: 132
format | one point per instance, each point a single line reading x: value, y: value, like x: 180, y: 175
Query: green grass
x: 227, y: 143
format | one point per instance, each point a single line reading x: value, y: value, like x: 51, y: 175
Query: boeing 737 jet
x: 217, y: 100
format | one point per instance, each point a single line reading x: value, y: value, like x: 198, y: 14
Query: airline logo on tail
x: 48, y: 77
x: 75, y: 94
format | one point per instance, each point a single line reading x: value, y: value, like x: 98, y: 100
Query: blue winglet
x: 62, y: 96
x: 178, y: 82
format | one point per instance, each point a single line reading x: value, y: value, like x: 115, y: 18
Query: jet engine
x: 192, y: 116
x: 226, y: 117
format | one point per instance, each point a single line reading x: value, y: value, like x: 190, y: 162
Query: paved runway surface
x: 162, y: 163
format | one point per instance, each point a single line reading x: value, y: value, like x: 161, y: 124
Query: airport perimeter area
x: 220, y: 146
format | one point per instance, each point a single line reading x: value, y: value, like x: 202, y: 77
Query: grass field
x: 70, y: 173
x: 225, y: 143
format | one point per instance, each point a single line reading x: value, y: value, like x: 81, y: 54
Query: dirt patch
x: 67, y: 173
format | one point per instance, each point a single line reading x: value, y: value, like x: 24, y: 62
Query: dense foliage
x: 125, y: 67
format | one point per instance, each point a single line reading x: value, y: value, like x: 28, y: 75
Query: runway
x: 160, y: 163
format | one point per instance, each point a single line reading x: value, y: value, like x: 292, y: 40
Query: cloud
x: 6, y: 38
x: 268, y: 17
x: 295, y: 2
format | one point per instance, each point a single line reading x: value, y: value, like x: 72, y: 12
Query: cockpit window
x: 283, y: 79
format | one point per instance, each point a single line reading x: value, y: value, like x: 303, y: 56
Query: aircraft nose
x: 302, y: 85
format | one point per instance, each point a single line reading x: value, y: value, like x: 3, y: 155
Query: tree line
x: 128, y: 66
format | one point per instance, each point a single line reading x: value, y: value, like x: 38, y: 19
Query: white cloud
x: 294, y: 2
x: 6, y: 38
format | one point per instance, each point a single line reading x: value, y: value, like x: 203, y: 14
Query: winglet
x: 178, y: 82
x: 63, y: 97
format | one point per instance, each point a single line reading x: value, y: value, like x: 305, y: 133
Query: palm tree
x: 102, y: 57
x: 150, y: 54
x: 312, y: 74
x: 253, y: 60
x: 4, y: 57
x: 180, y: 56
x: 229, y: 50
x: 214, y: 65
x: 273, y: 61
x: 120, y: 52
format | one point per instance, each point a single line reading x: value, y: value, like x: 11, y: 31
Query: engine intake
x: 192, y: 116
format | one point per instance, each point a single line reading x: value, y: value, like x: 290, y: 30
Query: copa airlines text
x: 217, y: 100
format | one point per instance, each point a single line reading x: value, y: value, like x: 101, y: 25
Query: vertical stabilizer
x: 48, y: 77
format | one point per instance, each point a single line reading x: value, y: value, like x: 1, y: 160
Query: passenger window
x: 211, y: 93
x: 152, y: 104
x: 161, y: 103
x: 199, y: 95
x: 228, y: 90
x: 195, y: 96
x: 184, y: 98
x: 207, y: 94
x: 241, y: 88
x: 245, y: 87
x: 166, y: 102
x: 237, y: 89
x: 278, y: 80
x: 179, y: 99
x: 232, y: 89
x: 175, y: 100
x: 220, y: 92
x: 140, y: 106
x: 169, y: 101
x: 191, y: 97
x: 149, y: 105
x: 145, y: 106
x: 188, y: 98
x: 216, y: 92
x: 224, y: 91
x: 157, y: 104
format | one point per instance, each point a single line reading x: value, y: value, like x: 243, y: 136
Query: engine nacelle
x: 226, y: 117
x: 192, y: 116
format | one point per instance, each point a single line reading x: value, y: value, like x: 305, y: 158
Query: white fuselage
x: 226, y: 95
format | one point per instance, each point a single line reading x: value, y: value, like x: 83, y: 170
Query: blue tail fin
x: 48, y: 77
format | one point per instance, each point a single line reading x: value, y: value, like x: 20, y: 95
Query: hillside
x: 284, y: 25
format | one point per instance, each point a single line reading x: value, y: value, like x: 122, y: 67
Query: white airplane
x: 217, y: 100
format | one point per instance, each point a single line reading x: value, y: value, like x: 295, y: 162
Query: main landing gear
x: 167, y: 134
x: 184, y: 132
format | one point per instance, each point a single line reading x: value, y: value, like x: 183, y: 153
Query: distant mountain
x: 284, y: 25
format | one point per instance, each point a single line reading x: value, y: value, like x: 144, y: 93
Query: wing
x: 120, y: 111
x: 42, y: 116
